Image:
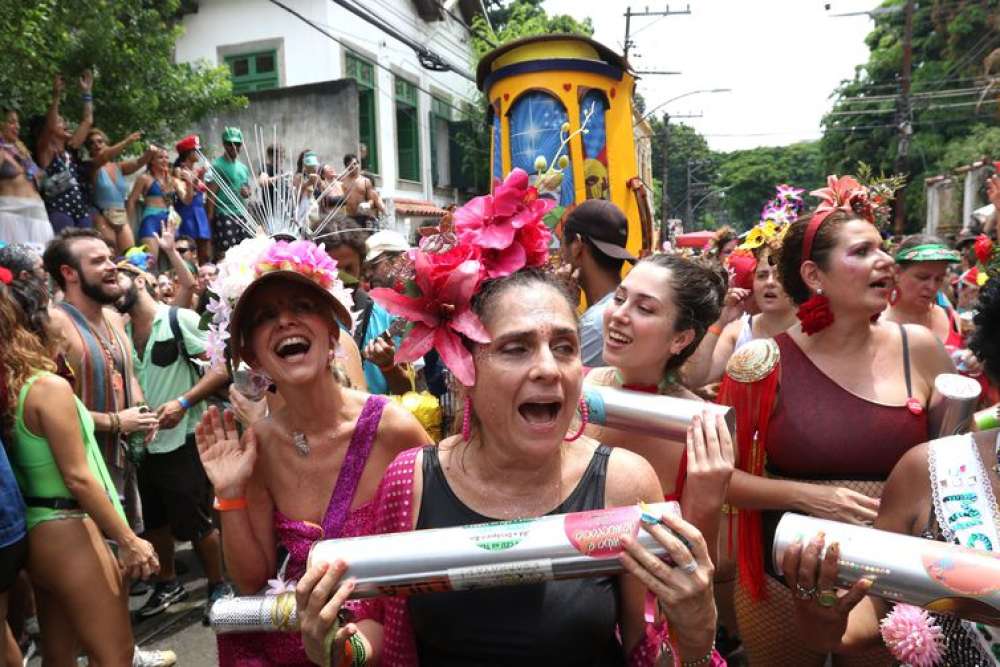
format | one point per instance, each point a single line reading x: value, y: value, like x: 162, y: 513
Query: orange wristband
x: 229, y: 504
x: 715, y: 329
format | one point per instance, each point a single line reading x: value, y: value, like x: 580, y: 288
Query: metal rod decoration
x: 649, y: 414
x: 953, y: 404
x: 503, y: 553
x: 938, y: 576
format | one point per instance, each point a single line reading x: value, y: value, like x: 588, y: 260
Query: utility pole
x: 689, y: 217
x: 903, y: 117
x: 665, y: 194
x: 628, y: 24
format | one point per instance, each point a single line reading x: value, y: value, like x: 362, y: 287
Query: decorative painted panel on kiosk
x: 535, y: 122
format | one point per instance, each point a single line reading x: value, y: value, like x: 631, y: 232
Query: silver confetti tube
x: 504, y: 553
x: 255, y: 613
x: 953, y: 404
x: 649, y: 414
x: 937, y: 576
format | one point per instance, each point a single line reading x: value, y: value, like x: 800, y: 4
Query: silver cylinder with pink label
x: 502, y: 553
x: 925, y: 573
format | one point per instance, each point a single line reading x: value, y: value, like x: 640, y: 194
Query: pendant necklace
x: 301, y: 444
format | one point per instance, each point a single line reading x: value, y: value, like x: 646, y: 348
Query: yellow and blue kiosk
x: 535, y: 88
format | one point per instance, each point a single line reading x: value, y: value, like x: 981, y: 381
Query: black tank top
x: 571, y: 622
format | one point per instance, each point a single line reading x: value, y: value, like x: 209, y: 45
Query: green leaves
x: 129, y: 45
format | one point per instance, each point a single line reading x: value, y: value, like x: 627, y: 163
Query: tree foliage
x: 951, y: 38
x: 128, y: 43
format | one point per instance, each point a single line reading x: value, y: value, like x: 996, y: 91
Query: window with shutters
x: 407, y: 131
x: 440, y: 130
x: 363, y: 73
x: 253, y: 71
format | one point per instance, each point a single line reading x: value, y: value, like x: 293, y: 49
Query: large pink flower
x: 447, y: 282
x: 844, y: 194
x: 495, y: 222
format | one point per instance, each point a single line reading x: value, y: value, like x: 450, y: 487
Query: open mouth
x: 292, y: 347
x: 618, y: 337
x: 540, y: 413
x: 884, y: 283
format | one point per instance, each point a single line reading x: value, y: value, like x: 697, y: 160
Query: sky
x: 781, y: 58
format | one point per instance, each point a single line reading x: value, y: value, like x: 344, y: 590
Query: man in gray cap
x: 593, y: 245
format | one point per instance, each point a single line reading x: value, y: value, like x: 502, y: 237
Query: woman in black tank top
x: 512, y: 462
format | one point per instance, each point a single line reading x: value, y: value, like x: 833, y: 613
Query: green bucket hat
x: 232, y: 135
x: 928, y: 252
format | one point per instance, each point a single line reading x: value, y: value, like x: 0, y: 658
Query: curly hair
x: 985, y: 340
x: 21, y: 356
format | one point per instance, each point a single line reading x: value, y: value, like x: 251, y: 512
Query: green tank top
x: 35, y: 468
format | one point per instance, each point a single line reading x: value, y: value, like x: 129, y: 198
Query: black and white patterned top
x: 71, y: 198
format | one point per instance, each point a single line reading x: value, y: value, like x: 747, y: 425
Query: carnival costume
x: 800, y: 434
x: 38, y: 476
x: 494, y: 236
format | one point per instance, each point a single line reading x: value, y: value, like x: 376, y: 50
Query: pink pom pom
x: 912, y: 636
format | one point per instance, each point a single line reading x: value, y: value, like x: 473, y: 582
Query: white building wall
x: 226, y: 27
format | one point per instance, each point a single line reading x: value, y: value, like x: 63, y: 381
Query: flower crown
x: 255, y: 257
x: 491, y: 236
x: 988, y: 259
x: 775, y: 217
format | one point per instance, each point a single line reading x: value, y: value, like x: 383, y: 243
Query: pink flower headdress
x: 494, y: 236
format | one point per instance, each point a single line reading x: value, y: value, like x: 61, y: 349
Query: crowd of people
x: 169, y: 375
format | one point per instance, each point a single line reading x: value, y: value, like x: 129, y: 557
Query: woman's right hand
x: 319, y: 595
x: 733, y: 305
x: 137, y: 558
x: 839, y: 503
x: 821, y: 613
x: 228, y: 459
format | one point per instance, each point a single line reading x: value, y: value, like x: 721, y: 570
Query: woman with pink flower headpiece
x: 941, y: 490
x: 509, y: 334
x: 308, y: 471
x: 819, y: 432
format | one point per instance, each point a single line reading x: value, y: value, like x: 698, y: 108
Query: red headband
x: 840, y: 194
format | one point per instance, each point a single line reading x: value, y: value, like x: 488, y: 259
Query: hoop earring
x: 584, y: 418
x: 467, y: 419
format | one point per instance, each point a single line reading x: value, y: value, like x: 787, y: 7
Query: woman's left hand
x: 86, y: 81
x: 684, y: 589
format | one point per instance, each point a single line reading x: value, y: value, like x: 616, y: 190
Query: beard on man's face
x: 100, y: 291
x: 127, y: 300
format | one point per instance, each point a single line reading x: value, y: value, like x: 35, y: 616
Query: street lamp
x: 687, y: 94
x: 665, y: 197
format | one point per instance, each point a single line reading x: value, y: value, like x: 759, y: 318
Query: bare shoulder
x: 630, y: 479
x: 928, y: 354
x: 399, y: 430
x: 905, y: 505
x: 603, y: 376
x: 49, y: 390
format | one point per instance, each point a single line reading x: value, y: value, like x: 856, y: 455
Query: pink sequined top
x: 259, y: 649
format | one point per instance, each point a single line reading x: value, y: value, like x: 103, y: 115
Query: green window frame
x: 363, y: 73
x: 407, y: 130
x: 439, y: 120
x: 253, y: 71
